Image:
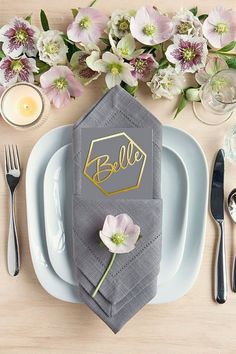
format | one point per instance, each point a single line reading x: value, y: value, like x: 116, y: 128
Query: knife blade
x: 217, y: 211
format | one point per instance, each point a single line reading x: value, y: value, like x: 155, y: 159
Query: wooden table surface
x: 32, y: 321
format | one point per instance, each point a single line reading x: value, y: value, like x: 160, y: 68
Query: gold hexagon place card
x: 117, y: 162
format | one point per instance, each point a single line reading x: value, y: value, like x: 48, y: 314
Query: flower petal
x: 112, y: 80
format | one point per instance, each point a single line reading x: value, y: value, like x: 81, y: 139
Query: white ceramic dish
x: 58, y: 210
x: 196, y: 168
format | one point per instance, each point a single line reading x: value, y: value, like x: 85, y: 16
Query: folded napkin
x: 132, y: 281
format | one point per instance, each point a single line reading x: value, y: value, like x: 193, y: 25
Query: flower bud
x: 192, y: 94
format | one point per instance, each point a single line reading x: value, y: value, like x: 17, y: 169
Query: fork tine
x: 6, y: 163
x: 11, y: 156
x: 16, y: 157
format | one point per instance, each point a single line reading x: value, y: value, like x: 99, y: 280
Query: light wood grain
x: 33, y: 322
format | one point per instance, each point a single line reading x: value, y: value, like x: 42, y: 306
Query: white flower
x: 115, y: 68
x: 125, y: 48
x: 166, y: 83
x: 51, y: 47
x: 119, y: 24
x: 186, y: 23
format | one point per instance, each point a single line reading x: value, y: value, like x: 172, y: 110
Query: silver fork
x: 12, y: 173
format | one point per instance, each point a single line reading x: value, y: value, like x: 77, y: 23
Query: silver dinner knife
x: 217, y: 210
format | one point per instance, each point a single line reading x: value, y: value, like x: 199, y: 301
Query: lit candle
x: 23, y: 105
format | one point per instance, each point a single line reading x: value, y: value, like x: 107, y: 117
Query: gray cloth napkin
x: 132, y: 281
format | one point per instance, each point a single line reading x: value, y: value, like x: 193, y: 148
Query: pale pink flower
x: 186, y: 23
x: 214, y: 65
x: 219, y: 28
x: 19, y: 37
x: 16, y: 70
x: 144, y: 67
x: 149, y: 27
x: 60, y: 85
x: 87, y: 26
x: 188, y: 53
x: 119, y: 233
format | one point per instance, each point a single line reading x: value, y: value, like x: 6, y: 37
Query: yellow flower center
x: 52, y: 48
x: 60, y: 83
x: 188, y: 54
x: 168, y: 84
x: 221, y: 28
x: 115, y: 68
x: 118, y: 238
x: 125, y: 51
x: 149, y: 30
x: 16, y: 66
x: 219, y: 84
x: 123, y: 25
x: 21, y: 36
x: 184, y: 27
x: 85, y: 22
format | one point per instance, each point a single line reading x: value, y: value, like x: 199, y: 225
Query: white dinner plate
x: 194, y: 160
x: 58, y: 195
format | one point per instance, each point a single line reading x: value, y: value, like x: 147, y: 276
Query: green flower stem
x: 104, y: 275
x: 226, y: 54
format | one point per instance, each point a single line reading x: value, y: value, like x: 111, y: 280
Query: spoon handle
x: 234, y: 276
x: 221, y: 281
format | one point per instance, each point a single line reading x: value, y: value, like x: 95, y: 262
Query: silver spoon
x: 232, y: 211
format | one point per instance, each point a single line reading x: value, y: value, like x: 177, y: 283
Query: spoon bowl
x: 231, y: 204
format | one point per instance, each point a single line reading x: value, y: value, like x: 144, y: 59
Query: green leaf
x: 163, y: 63
x: 202, y: 17
x: 43, y: 67
x: 106, y: 41
x: 92, y: 3
x: 130, y: 89
x: 231, y: 62
x: 181, y: 105
x: 44, y: 20
x: 66, y: 39
x: 228, y: 47
x: 29, y: 18
x: 194, y: 10
x: 74, y: 12
x: 2, y: 55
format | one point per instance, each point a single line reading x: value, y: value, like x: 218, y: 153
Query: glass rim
x: 23, y: 83
x: 210, y: 81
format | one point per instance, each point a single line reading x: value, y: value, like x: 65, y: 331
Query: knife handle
x: 221, y: 278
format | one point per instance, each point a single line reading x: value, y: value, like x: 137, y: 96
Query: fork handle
x: 13, y: 256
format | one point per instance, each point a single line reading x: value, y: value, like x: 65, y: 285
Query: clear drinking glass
x: 218, y: 98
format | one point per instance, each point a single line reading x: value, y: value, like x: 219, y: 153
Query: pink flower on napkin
x: 60, y: 84
x: 87, y: 26
x: 119, y: 233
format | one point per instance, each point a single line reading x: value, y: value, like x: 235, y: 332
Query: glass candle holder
x: 24, y: 105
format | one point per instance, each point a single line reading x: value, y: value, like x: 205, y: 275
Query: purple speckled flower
x: 19, y: 37
x: 15, y: 70
x: 144, y: 67
x: 188, y: 53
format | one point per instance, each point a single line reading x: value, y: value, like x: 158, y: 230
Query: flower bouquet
x: 128, y: 48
